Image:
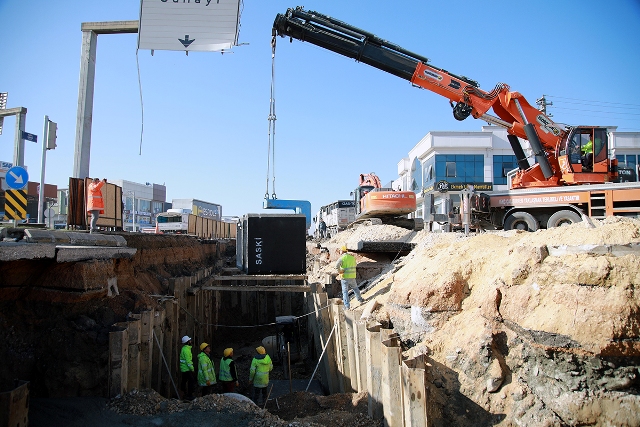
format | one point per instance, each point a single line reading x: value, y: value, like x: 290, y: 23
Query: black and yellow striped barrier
x: 15, y: 204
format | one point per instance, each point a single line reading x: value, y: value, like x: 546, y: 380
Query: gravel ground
x: 148, y: 408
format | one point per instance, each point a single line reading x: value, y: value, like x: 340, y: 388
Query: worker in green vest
x: 188, y: 375
x: 228, y: 373
x: 346, y: 266
x: 261, y: 365
x: 206, y: 370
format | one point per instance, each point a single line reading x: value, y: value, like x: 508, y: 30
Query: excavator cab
x: 584, y: 156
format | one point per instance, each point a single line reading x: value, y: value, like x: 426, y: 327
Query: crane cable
x: 271, y: 158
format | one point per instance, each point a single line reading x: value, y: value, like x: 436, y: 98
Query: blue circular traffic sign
x: 17, y: 178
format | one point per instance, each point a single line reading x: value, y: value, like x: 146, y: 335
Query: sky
x: 205, y: 115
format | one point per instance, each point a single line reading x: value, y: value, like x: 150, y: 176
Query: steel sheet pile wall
x: 363, y: 356
x: 144, y: 351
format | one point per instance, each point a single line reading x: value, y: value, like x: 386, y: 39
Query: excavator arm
x: 511, y: 110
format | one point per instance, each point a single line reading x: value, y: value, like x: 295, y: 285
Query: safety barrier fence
x: 363, y: 356
x: 210, y: 228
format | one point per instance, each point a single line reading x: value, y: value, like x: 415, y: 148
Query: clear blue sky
x: 205, y: 115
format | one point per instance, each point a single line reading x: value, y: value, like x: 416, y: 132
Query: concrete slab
x: 370, y: 246
x: 12, y: 251
x: 73, y: 238
x: 615, y: 250
x: 83, y: 253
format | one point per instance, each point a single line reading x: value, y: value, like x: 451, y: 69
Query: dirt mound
x: 519, y: 328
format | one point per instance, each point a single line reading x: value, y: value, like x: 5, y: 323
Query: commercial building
x: 443, y: 163
x: 141, y: 203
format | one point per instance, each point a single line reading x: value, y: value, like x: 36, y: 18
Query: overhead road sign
x: 204, y: 25
x: 17, y: 177
x: 15, y: 204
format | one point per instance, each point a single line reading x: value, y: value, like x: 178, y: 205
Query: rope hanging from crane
x: 271, y: 158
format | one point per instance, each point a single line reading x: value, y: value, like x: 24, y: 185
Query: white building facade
x: 443, y: 163
x: 141, y: 203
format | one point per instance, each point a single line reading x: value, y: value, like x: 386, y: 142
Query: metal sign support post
x: 45, y: 142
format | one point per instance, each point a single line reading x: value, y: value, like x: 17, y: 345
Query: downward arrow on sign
x: 186, y: 42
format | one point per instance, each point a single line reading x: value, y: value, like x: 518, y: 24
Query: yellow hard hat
x: 203, y: 346
x: 343, y: 248
x: 261, y: 350
x: 227, y: 352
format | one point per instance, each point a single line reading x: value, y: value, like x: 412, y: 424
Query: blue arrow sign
x: 186, y: 42
x: 29, y: 136
x: 17, y: 177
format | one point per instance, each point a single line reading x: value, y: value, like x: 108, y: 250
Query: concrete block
x: 83, y: 253
x: 11, y: 251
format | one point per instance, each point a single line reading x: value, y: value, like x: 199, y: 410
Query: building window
x: 450, y: 170
x: 502, y: 165
x: 465, y: 168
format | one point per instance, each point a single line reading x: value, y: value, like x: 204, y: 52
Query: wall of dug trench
x: 56, y: 317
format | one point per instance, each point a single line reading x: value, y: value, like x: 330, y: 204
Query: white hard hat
x: 185, y: 339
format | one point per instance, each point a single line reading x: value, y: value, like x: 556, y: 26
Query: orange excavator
x: 379, y: 205
x: 557, y: 148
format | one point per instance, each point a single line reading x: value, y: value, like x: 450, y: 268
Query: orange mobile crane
x: 566, y: 157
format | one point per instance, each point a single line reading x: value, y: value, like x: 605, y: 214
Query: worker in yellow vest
x: 228, y: 372
x: 261, y: 365
x: 188, y: 374
x: 346, y: 266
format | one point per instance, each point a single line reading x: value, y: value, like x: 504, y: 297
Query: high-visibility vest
x: 186, y: 359
x: 206, y: 370
x: 348, y: 266
x: 225, y: 369
x: 94, y: 198
x: 259, y: 372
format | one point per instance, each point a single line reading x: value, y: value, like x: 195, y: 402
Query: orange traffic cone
x: 158, y: 229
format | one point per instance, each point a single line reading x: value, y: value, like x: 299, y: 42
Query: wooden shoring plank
x: 158, y: 364
x: 414, y: 387
x: 118, y: 360
x: 146, y: 348
x: 133, y: 377
x: 391, y: 383
x: 257, y: 288
x: 374, y: 373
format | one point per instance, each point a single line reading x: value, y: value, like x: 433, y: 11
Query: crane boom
x: 550, y: 142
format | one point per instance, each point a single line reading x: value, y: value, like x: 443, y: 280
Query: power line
x: 598, y: 111
x: 596, y: 102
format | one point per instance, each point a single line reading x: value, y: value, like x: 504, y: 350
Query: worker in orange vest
x: 95, y: 203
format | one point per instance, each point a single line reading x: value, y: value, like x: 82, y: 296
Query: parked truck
x: 573, y: 173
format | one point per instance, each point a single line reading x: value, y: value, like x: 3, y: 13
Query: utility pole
x: 543, y: 104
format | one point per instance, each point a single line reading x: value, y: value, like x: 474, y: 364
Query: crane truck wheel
x: 521, y: 221
x: 564, y: 217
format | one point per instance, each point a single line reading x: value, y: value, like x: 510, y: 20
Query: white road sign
x: 191, y: 25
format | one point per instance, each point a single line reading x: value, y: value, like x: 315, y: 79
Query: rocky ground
x: 537, y: 329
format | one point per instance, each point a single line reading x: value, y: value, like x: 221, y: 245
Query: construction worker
x: 228, y: 373
x: 346, y: 266
x: 188, y: 375
x: 261, y: 365
x: 95, y: 203
x: 322, y: 228
x: 206, y: 370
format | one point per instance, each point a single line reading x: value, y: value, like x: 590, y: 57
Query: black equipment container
x: 271, y: 244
